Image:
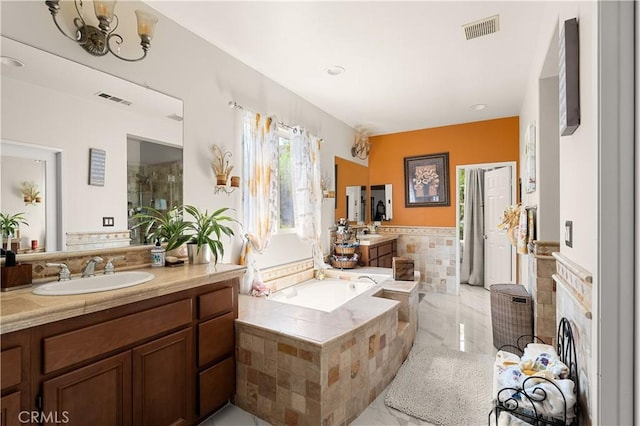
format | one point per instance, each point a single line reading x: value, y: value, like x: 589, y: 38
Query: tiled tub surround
x: 302, y: 366
x: 574, y: 287
x: 542, y: 266
x: 433, y: 250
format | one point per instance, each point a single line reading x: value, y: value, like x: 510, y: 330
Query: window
x: 286, y: 216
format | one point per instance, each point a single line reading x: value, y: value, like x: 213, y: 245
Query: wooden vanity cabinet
x: 138, y: 364
x: 14, y: 377
x: 379, y: 254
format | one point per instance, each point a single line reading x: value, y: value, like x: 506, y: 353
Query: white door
x: 497, y: 249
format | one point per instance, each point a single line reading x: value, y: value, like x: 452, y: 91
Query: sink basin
x: 94, y: 284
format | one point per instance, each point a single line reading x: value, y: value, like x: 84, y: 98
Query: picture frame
x: 427, y: 180
x: 97, y: 160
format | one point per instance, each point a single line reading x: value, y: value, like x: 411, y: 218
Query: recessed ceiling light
x: 478, y: 107
x: 6, y: 60
x: 335, y: 70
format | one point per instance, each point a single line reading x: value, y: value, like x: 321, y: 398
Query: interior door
x: 498, y: 251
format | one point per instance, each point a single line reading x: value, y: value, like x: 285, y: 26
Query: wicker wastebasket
x: 511, y: 315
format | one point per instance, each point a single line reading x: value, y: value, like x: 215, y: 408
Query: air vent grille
x: 482, y: 27
x: 113, y: 98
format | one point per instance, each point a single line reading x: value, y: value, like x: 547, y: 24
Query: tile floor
x: 456, y: 322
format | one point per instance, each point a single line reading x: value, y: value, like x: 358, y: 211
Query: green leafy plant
x: 207, y: 229
x: 9, y: 223
x: 168, y: 226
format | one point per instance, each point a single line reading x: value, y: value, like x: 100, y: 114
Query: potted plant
x: 9, y: 224
x: 207, y: 230
x: 168, y: 226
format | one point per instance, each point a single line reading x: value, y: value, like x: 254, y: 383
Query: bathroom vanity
x: 378, y: 249
x: 158, y: 353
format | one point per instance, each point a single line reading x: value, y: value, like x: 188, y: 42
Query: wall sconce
x: 97, y: 41
x: 361, y: 146
x: 222, y: 170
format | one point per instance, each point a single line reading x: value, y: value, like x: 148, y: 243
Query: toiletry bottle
x: 157, y: 255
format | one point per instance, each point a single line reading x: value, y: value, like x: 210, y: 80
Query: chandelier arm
x: 55, y: 21
x: 120, y: 40
x: 117, y: 21
x: 79, y: 10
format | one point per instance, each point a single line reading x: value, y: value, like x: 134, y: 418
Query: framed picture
x: 427, y: 180
x: 97, y: 159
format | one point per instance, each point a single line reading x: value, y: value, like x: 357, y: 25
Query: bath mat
x: 443, y: 386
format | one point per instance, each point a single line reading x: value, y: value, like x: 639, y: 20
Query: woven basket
x: 340, y: 249
x: 344, y: 236
x: 511, y: 315
x: 343, y: 263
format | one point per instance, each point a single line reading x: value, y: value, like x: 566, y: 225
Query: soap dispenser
x: 157, y: 255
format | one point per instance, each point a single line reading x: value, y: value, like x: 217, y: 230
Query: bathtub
x: 323, y: 295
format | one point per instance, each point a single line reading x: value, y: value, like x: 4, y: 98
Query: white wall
x: 578, y: 153
x: 205, y: 78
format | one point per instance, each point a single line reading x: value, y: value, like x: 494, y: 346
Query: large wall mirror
x: 68, y: 109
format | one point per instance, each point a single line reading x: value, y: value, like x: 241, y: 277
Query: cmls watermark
x: 40, y: 417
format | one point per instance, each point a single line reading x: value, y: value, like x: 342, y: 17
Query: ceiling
x: 408, y: 64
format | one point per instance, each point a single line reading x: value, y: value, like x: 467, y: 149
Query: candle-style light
x: 97, y: 41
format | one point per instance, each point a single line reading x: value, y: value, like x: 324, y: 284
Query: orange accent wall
x: 487, y: 141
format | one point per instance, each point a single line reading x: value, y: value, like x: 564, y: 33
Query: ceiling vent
x: 113, y: 98
x: 482, y: 27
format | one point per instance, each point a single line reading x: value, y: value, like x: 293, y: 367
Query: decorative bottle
x: 157, y: 255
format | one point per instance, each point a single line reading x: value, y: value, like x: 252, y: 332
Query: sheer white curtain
x: 307, y: 191
x: 472, y: 268
x: 261, y: 190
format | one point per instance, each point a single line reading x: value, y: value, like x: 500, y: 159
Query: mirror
x: 351, y: 174
x: 356, y: 204
x: 69, y: 108
x: 381, y: 206
x: 154, y: 179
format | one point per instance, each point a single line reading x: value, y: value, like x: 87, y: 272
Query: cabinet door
x: 161, y: 380
x: 9, y: 415
x: 98, y: 394
x: 385, y: 261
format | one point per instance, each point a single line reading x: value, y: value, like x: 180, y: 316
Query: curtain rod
x: 235, y: 105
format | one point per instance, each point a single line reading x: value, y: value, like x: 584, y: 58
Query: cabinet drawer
x: 11, y: 364
x: 384, y: 249
x: 83, y: 344
x: 373, y: 252
x: 215, y: 303
x: 216, y: 386
x: 216, y: 338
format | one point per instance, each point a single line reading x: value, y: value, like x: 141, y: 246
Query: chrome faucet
x: 64, y: 274
x: 367, y: 277
x: 89, y: 269
x: 109, y: 268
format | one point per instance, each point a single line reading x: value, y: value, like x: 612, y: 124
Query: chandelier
x: 361, y: 146
x: 97, y: 41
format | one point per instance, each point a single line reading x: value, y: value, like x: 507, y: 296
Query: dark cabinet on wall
x: 138, y: 364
